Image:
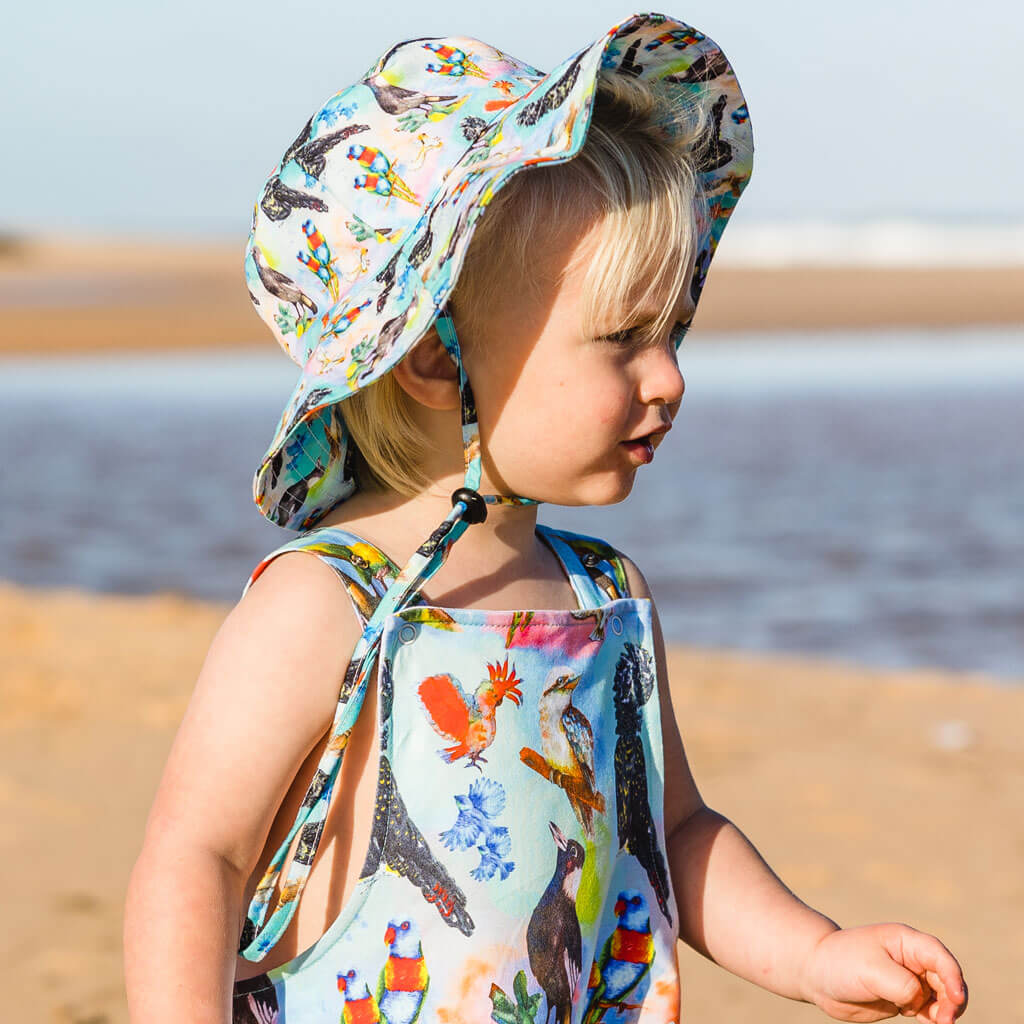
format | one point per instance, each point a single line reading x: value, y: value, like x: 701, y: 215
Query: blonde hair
x: 637, y: 173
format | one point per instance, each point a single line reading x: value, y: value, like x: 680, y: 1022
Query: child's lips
x: 642, y: 449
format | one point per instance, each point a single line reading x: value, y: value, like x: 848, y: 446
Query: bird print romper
x: 516, y: 870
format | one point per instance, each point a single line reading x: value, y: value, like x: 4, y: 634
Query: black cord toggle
x: 476, y: 507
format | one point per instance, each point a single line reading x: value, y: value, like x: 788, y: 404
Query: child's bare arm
x: 734, y: 910
x: 265, y: 695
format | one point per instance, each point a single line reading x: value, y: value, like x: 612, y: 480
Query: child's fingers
x: 931, y: 961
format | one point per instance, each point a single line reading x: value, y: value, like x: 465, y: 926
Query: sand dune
x: 874, y: 795
x: 65, y: 296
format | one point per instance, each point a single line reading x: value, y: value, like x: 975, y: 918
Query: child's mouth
x: 640, y: 448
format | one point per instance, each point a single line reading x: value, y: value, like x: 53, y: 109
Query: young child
x: 515, y: 834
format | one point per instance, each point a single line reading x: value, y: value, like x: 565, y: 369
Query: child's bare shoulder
x: 265, y: 695
x: 297, y: 614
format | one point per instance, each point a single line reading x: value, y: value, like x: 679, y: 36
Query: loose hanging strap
x: 261, y: 933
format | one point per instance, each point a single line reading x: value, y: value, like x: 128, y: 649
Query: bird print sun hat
x: 359, y: 234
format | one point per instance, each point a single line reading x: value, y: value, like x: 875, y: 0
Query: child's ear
x: 428, y: 374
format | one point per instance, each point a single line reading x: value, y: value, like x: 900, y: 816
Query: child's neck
x: 397, y: 524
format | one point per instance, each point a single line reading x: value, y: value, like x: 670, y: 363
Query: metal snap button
x: 590, y: 559
x: 407, y: 633
x: 616, y: 624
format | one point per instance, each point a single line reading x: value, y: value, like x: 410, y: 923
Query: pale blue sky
x: 127, y: 117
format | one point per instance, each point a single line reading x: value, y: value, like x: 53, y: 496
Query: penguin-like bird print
x: 554, y: 942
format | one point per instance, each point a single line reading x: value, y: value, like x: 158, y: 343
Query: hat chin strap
x: 468, y: 506
x: 468, y: 494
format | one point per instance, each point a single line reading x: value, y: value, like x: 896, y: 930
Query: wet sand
x: 63, y: 297
x: 874, y: 795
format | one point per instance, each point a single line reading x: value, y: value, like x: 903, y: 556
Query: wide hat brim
x: 360, y: 232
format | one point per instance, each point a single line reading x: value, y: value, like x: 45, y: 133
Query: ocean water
x: 851, y: 495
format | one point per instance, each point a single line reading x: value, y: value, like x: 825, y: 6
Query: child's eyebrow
x: 647, y: 317
x: 648, y: 320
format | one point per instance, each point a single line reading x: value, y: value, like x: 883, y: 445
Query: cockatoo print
x: 474, y: 827
x: 468, y: 720
x: 567, y: 747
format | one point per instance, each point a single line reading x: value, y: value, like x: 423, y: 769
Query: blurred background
x: 833, y: 533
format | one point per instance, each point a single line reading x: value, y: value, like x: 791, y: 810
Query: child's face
x: 554, y: 405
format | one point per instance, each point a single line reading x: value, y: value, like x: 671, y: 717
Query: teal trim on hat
x: 360, y: 233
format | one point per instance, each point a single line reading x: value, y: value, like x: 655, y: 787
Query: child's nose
x: 662, y: 379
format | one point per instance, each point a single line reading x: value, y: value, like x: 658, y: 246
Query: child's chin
x: 605, y: 492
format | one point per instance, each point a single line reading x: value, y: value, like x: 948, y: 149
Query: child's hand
x: 880, y: 970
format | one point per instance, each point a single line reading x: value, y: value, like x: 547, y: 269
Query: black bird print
x: 388, y: 333
x: 312, y: 156
x: 460, y: 229
x: 295, y: 497
x: 715, y: 152
x: 386, y: 277
x: 280, y: 286
x: 703, y: 69
x: 553, y: 98
x: 279, y: 200
x: 472, y: 128
x: 628, y: 65
x: 421, y: 249
x: 553, y: 939
x: 632, y: 689
x: 406, y: 852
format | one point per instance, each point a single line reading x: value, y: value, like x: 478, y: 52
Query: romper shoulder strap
x: 365, y: 571
x: 600, y: 559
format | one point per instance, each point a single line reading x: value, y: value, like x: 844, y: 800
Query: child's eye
x: 679, y: 333
x: 618, y: 336
x: 627, y: 335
